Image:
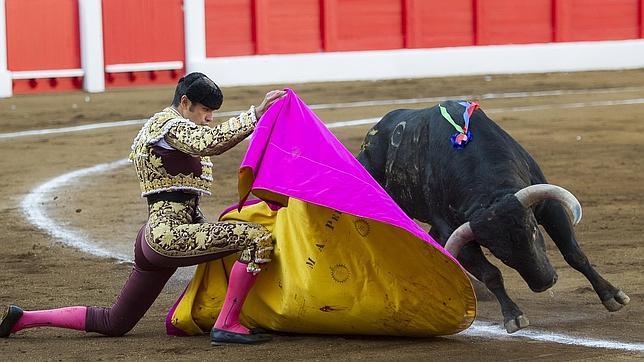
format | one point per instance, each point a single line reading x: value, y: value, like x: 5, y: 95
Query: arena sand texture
x: 594, y: 151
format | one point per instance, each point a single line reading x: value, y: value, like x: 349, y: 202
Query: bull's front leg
x: 472, y: 258
x: 556, y: 223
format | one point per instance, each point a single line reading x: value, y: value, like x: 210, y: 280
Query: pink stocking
x: 70, y: 317
x: 239, y: 285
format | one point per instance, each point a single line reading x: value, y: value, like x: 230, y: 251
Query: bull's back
x: 394, y: 152
x: 379, y: 150
x: 410, y: 154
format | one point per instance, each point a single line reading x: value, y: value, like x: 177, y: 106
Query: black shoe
x: 9, y: 319
x: 258, y: 330
x: 220, y: 337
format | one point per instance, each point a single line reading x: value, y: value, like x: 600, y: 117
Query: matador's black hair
x: 199, y: 89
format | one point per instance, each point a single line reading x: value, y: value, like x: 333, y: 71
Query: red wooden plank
x: 42, y: 34
x: 439, y: 23
x: 514, y: 22
x: 142, y: 31
x: 579, y: 20
x: 288, y: 26
x: 362, y: 24
x: 229, y: 28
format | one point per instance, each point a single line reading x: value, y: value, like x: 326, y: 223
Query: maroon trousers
x: 148, y: 277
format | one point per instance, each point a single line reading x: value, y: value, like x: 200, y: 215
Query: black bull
x: 479, y: 196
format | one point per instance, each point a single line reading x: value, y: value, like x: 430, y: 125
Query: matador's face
x: 196, y: 112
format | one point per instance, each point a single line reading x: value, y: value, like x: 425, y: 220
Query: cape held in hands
x: 347, y: 259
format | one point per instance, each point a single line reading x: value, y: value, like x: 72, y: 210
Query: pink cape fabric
x: 292, y: 153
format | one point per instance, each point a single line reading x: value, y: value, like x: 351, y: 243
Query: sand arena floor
x: 588, y: 140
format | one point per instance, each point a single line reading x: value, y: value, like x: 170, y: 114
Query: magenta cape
x: 293, y: 154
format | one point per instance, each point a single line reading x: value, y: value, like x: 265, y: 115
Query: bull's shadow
x: 478, y: 187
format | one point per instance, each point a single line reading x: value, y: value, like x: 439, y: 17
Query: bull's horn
x: 530, y: 195
x: 461, y: 236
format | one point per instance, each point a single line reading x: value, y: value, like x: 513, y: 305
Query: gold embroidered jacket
x: 172, y: 153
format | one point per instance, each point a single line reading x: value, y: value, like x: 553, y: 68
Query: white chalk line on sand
x: 489, y: 330
x: 38, y: 197
x: 506, y: 95
x: 32, y: 207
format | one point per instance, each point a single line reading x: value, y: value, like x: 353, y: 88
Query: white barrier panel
x: 91, y: 43
x: 194, y: 23
x: 421, y: 63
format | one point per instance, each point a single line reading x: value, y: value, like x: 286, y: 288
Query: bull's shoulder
x: 425, y: 115
x: 402, y: 115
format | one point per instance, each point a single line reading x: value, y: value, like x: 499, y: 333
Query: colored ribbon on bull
x: 463, y: 135
x: 347, y: 259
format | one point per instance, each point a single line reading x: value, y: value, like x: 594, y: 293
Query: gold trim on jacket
x: 185, y: 136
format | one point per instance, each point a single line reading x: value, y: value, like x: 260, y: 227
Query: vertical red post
x: 254, y: 14
x: 329, y: 16
x: 475, y: 22
x: 641, y: 24
x: 403, y: 22
x: 322, y: 5
x: 553, y: 25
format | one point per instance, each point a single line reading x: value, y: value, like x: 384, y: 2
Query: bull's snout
x: 543, y: 285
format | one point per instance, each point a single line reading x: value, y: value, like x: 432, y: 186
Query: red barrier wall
x: 439, y: 23
x: 142, y: 31
x: 362, y: 24
x: 41, y: 35
x: 578, y: 20
x: 44, y: 34
x: 514, y: 22
x: 229, y: 28
x: 288, y: 26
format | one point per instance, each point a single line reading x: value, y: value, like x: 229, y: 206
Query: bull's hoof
x: 617, y: 301
x: 517, y: 323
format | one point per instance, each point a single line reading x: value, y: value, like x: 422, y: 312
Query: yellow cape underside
x: 335, y: 273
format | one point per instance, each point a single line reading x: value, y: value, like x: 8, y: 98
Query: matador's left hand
x: 269, y: 99
x: 258, y: 250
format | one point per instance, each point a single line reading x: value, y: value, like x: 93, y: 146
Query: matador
x: 171, y: 155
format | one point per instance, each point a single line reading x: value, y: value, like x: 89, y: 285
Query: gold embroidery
x: 187, y: 137
x: 201, y: 238
x: 156, y: 161
x: 204, y: 141
x: 170, y: 232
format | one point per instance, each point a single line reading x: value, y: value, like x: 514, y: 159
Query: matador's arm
x: 206, y: 141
